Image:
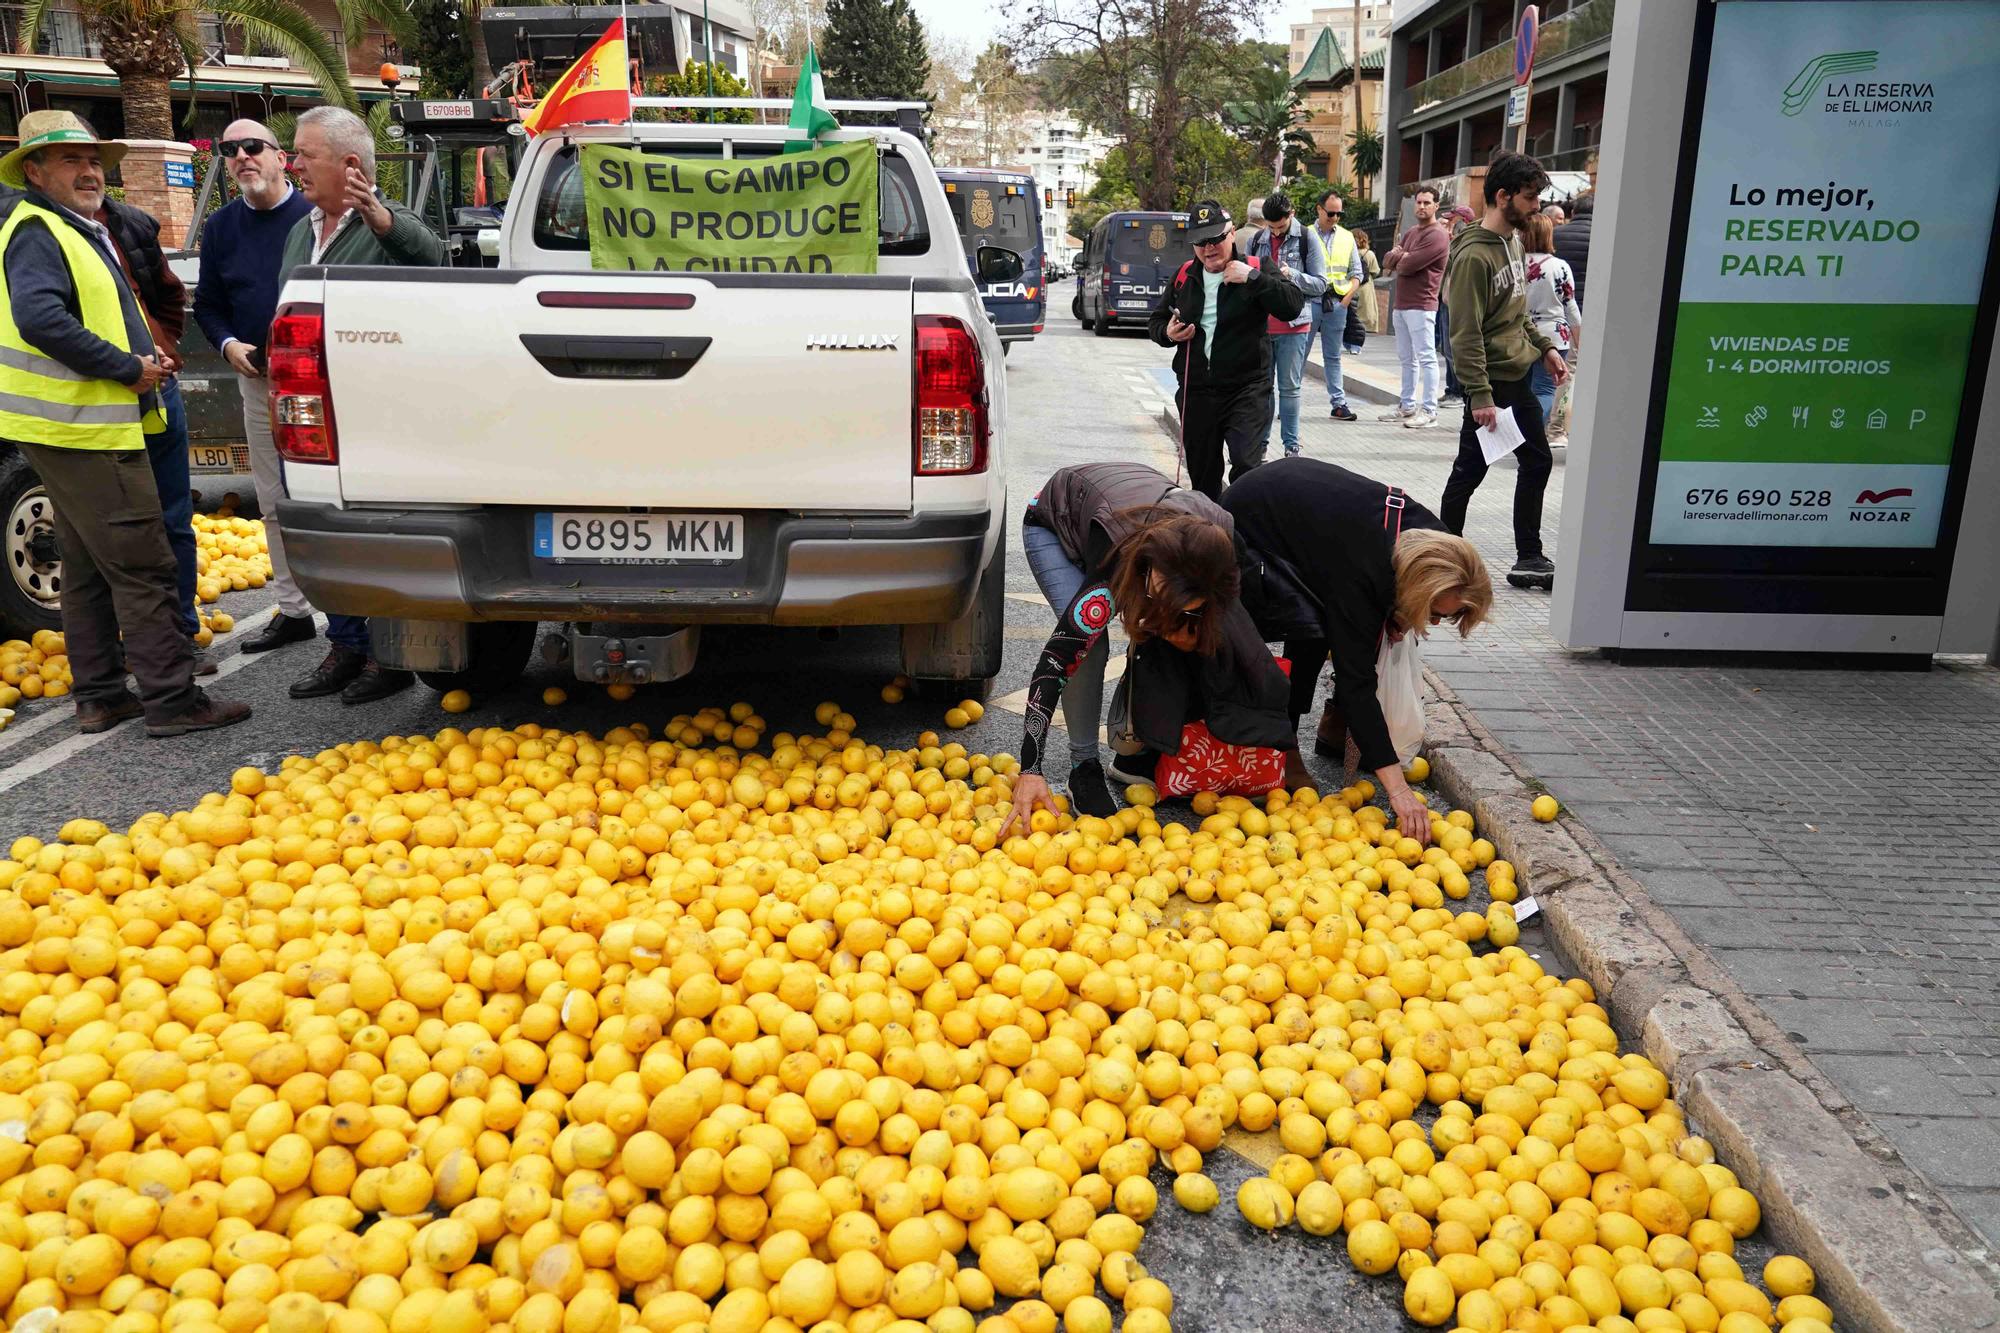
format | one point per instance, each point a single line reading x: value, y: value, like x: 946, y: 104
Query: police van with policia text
x: 660, y: 411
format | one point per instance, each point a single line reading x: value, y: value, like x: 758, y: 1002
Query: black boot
x: 281, y: 630
x: 1088, y: 794
x: 332, y: 675
x: 376, y: 682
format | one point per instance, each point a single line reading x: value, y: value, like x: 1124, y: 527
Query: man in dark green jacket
x: 1494, y: 346
x: 350, y: 223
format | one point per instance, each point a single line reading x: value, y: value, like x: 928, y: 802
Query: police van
x: 1126, y: 266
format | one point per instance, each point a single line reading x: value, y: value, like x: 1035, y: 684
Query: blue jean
x: 1451, y: 384
x: 349, y: 632
x: 1060, y: 579
x: 1332, y: 322
x: 1288, y: 360
x: 167, y: 452
x: 1543, y: 386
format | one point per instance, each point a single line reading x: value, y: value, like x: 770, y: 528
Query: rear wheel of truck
x: 961, y: 657
x: 1076, y: 309
x: 497, y: 653
x: 31, y: 582
x: 1104, y: 325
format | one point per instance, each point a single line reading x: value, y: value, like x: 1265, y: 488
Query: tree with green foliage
x: 148, y: 43
x: 1364, y: 149
x: 1267, y: 115
x: 692, y: 81
x: 874, y: 50
x: 1140, y: 70
x: 438, y: 44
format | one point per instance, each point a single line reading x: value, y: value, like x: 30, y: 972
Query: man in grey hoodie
x: 1495, y: 345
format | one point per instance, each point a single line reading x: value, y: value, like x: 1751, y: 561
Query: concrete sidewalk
x: 1826, y: 835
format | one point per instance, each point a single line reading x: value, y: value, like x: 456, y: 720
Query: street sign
x: 180, y: 174
x: 1524, y: 45
x: 1517, y: 106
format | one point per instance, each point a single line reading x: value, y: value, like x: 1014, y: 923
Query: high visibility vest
x: 1339, y: 254
x: 43, y: 401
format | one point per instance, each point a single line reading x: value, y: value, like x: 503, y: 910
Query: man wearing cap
x: 78, y: 379
x: 1214, y: 313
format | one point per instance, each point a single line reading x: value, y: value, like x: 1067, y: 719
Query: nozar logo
x: 1877, y: 497
x: 1799, y: 92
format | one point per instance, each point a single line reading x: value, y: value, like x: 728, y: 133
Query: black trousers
x: 1533, y: 457
x: 1214, y: 417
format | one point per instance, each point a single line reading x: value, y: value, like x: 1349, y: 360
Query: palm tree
x: 148, y: 43
x: 1365, y: 148
x: 1268, y: 117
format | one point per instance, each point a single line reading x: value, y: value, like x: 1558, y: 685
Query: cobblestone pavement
x: 1829, y: 835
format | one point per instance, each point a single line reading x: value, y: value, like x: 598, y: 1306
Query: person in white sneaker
x: 1418, y: 263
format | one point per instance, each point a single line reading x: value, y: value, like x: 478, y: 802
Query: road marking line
x: 63, y: 751
x: 1019, y: 699
x: 1032, y: 598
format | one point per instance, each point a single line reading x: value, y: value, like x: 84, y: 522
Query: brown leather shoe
x: 332, y: 675
x: 102, y: 715
x: 206, y: 715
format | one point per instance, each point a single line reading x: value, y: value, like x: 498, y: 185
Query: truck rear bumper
x: 476, y: 565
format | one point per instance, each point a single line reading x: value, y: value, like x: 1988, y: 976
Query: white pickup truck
x: 633, y: 455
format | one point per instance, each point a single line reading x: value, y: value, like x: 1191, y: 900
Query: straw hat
x: 45, y: 129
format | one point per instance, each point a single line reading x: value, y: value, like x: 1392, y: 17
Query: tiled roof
x: 1327, y: 61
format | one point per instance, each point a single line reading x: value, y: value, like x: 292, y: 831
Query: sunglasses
x: 247, y: 147
x: 1454, y: 618
x: 1202, y: 245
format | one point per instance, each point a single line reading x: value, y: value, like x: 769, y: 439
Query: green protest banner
x: 811, y: 212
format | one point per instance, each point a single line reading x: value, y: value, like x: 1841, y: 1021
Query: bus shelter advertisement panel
x: 1837, y: 239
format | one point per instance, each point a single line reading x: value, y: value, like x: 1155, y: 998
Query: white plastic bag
x: 1399, y: 686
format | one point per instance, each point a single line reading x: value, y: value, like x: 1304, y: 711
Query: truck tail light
x: 301, y: 398
x: 951, y: 425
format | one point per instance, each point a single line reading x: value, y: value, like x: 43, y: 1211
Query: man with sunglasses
x: 1214, y: 314
x: 237, y: 295
x: 1344, y: 275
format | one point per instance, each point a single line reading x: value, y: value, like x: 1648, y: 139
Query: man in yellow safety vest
x: 78, y: 371
x: 1343, y: 279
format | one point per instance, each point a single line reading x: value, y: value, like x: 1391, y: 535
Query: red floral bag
x: 1207, y: 764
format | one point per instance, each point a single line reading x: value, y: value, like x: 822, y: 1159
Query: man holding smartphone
x: 234, y: 299
x: 1214, y: 314
x: 350, y: 223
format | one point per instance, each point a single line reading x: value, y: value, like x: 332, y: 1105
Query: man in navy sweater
x: 242, y: 245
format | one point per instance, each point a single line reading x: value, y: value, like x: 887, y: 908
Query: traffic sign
x: 1524, y: 45
x: 1517, y: 106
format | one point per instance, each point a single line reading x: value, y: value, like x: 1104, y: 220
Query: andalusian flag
x: 809, y: 111
x: 597, y: 87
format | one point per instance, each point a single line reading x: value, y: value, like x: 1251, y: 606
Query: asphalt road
x: 1072, y: 398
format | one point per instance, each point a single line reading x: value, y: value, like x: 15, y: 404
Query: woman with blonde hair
x: 1338, y: 563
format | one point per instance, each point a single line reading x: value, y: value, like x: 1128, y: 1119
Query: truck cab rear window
x: 562, y: 222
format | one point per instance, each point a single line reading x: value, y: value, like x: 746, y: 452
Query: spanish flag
x: 597, y: 87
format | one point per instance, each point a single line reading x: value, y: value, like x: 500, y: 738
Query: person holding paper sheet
x: 1495, y: 346
x: 1369, y: 565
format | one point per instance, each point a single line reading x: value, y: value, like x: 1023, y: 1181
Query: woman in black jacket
x: 1121, y: 540
x: 1373, y: 564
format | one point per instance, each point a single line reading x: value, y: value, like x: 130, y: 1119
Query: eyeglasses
x: 247, y: 147
x: 1202, y: 245
x: 1453, y: 618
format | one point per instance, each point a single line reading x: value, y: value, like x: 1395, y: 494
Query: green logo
x: 1820, y: 68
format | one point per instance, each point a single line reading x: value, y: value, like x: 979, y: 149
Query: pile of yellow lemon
x: 35, y: 668
x: 231, y: 555
x: 531, y: 1030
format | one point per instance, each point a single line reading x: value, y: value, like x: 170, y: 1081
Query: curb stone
x: 1891, y: 1256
